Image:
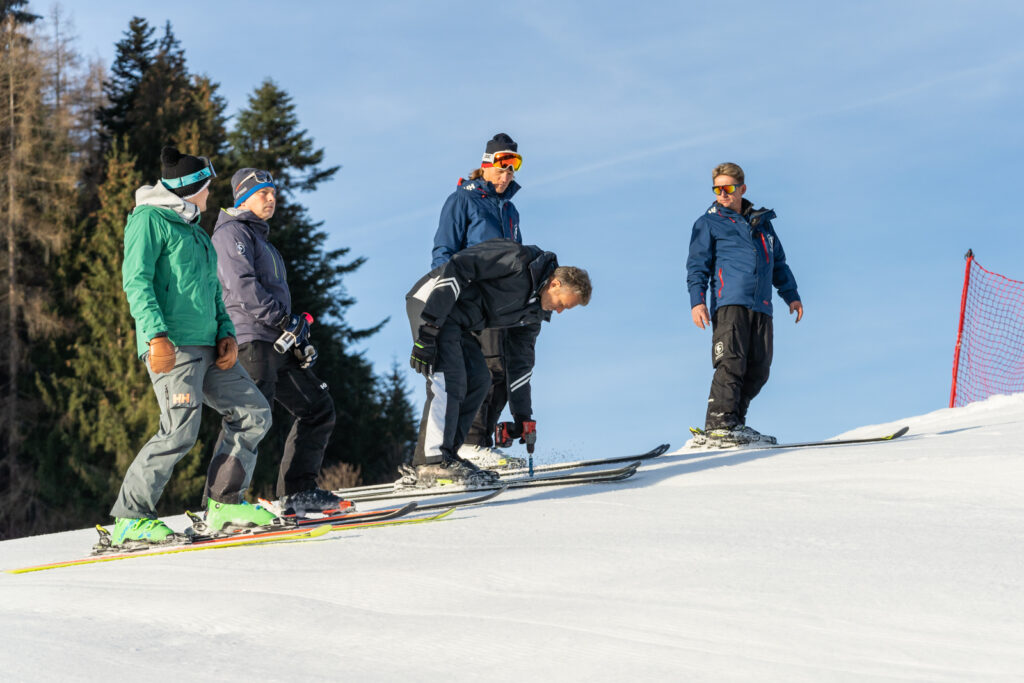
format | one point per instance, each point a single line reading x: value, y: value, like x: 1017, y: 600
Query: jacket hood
x: 160, y: 197
x: 247, y: 217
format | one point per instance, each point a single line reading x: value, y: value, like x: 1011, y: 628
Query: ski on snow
x: 596, y: 476
x: 343, y: 519
x: 302, y: 531
x: 230, y: 541
x: 360, y: 491
x: 696, y: 431
x: 578, y: 464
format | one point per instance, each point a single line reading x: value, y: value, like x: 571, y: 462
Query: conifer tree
x: 154, y: 101
x: 37, y: 184
x: 108, y: 408
x: 399, y: 419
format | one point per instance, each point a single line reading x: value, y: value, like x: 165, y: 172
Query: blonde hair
x: 577, y: 280
x: 476, y: 173
x: 730, y: 169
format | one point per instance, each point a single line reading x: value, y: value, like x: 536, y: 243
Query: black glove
x: 424, y: 350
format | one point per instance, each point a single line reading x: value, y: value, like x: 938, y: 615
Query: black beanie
x: 501, y: 143
x: 184, y: 174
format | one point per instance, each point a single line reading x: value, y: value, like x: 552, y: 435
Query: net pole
x: 969, y: 256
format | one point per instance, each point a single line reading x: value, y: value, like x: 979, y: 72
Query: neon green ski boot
x: 224, y: 516
x: 144, y: 530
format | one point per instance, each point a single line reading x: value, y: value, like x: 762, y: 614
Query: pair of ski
x: 300, y: 530
x: 554, y: 474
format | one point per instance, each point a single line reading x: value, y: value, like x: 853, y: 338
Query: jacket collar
x: 749, y: 213
x: 487, y: 188
x: 250, y: 219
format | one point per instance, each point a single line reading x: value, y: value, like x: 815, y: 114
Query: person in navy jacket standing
x: 256, y: 295
x: 481, y: 209
x: 734, y: 247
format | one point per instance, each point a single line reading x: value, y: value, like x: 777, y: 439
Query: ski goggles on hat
x: 201, y: 174
x: 726, y: 189
x: 259, y: 180
x: 260, y: 176
x: 512, y: 160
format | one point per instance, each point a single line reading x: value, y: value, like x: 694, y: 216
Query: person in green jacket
x: 187, y: 341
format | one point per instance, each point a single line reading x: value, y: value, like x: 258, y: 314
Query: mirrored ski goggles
x: 724, y: 189
x: 511, y: 160
x: 201, y: 174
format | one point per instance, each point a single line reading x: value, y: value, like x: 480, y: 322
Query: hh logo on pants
x: 719, y: 350
x: 181, y: 399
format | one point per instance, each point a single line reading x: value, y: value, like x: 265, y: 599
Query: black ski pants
x: 741, y: 353
x: 492, y: 343
x: 306, y: 398
x: 455, y: 391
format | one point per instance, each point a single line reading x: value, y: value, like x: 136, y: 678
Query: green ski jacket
x: 170, y: 273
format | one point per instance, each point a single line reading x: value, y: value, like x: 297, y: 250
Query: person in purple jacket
x: 481, y: 209
x: 734, y: 246
x: 256, y: 295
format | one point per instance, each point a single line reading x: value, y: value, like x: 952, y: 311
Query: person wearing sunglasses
x: 258, y: 299
x: 481, y: 209
x: 734, y: 247
x: 187, y: 342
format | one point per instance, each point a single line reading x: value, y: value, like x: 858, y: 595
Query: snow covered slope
x: 899, y: 561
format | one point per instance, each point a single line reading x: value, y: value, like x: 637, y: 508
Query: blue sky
x: 886, y: 136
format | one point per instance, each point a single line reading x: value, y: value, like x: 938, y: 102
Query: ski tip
x: 899, y: 432
x: 319, y: 530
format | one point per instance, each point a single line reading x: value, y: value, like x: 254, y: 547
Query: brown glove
x: 161, y: 355
x: 227, y: 353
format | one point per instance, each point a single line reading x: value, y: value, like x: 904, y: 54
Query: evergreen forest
x: 76, y: 140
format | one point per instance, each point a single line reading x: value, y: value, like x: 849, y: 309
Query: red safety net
x: 989, y: 357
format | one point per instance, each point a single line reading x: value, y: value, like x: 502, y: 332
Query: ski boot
x: 452, y: 471
x: 225, y: 518
x: 490, y: 458
x: 755, y: 436
x: 309, y: 501
x: 135, y: 534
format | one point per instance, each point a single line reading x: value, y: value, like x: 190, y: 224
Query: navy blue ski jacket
x: 475, y: 213
x: 252, y: 275
x: 742, y: 258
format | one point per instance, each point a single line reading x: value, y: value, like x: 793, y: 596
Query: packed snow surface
x: 898, y: 561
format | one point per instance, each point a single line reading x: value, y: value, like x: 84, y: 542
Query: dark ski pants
x: 181, y: 393
x: 306, y: 398
x: 741, y: 353
x: 492, y: 343
x: 454, y: 393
